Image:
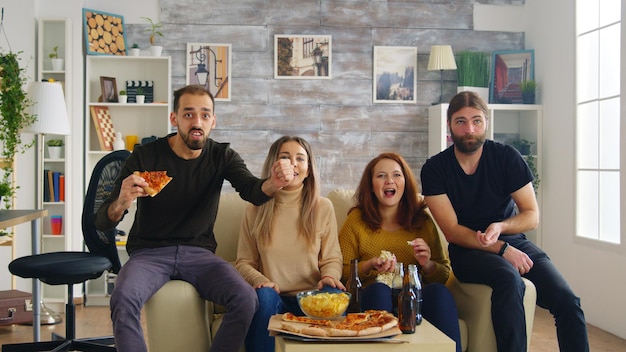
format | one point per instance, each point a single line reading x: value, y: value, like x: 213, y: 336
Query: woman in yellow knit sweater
x: 288, y: 244
x: 388, y: 214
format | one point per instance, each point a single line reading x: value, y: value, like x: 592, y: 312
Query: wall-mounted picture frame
x: 108, y: 87
x: 209, y: 65
x: 394, y: 78
x: 509, y: 69
x: 302, y: 56
x: 104, y: 33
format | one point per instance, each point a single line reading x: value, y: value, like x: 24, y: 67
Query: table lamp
x: 441, y: 58
x: 48, y: 104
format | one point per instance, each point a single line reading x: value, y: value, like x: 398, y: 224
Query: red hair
x: 411, y: 213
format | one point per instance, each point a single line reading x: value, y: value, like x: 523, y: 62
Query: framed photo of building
x: 394, y: 74
x: 209, y: 65
x: 302, y: 56
x: 509, y: 69
x: 104, y: 33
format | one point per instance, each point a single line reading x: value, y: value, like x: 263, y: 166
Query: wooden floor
x: 95, y: 321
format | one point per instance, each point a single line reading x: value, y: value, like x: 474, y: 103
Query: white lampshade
x: 49, y: 107
x: 441, y: 58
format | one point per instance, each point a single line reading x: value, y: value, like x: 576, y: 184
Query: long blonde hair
x: 310, y: 196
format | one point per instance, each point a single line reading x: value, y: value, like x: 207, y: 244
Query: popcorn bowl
x: 323, y: 305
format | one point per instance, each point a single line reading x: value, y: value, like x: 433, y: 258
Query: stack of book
x: 53, y: 186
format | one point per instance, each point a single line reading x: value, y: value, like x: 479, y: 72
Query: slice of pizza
x: 156, y: 180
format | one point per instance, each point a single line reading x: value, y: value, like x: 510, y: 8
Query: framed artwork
x: 108, y: 87
x: 209, y: 65
x: 104, y: 126
x: 509, y: 69
x: 104, y: 33
x: 394, y: 74
x: 302, y: 56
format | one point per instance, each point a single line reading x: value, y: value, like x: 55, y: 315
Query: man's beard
x: 191, y: 143
x: 468, y: 144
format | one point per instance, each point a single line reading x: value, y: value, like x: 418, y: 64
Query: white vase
x: 134, y: 51
x: 55, y: 152
x: 123, y: 99
x: 140, y: 99
x: 156, y: 50
x: 482, y: 92
x: 57, y: 64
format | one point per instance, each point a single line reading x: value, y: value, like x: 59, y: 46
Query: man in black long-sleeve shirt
x: 172, y: 234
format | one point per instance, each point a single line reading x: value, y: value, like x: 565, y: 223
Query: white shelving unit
x: 507, y: 123
x: 142, y: 120
x: 55, y: 32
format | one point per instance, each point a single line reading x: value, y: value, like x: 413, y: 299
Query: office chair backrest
x: 101, y: 185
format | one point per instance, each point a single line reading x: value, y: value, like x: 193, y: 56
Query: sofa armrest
x: 473, y: 303
x: 177, y: 319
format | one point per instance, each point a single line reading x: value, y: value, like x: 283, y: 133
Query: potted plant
x: 57, y: 63
x: 134, y: 50
x: 122, y: 98
x: 55, y: 148
x: 140, y: 97
x: 473, y: 72
x: 13, y: 108
x: 524, y: 147
x: 528, y: 88
x: 154, y: 31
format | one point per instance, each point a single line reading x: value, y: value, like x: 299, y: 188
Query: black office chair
x: 69, y: 268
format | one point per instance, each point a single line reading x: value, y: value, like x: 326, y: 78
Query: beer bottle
x: 354, y: 287
x: 407, y: 306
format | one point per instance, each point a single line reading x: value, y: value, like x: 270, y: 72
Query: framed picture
x: 104, y: 33
x: 302, y: 56
x: 209, y: 65
x: 394, y: 74
x: 509, y: 69
x: 108, y: 87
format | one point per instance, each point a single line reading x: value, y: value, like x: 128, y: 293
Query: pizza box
x: 275, y: 328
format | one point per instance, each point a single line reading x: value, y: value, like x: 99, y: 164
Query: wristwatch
x: 503, y: 248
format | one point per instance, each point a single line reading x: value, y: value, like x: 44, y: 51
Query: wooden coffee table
x: 426, y: 338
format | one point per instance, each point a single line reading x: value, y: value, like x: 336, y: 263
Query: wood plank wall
x: 336, y: 116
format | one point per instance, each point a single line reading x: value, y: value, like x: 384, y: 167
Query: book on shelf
x: 55, y: 181
x: 50, y: 186
x: 46, y: 186
x: 62, y: 188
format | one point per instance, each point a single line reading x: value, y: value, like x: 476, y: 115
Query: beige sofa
x: 179, y: 320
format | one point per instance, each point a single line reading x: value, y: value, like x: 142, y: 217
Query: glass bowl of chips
x: 323, y: 305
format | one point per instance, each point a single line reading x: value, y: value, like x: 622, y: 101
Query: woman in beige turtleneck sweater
x: 288, y: 244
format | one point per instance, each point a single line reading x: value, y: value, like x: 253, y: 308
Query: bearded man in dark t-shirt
x: 480, y: 193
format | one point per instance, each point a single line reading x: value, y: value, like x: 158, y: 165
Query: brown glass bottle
x: 407, y: 306
x: 354, y: 287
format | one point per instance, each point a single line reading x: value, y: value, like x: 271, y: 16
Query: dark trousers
x: 216, y: 280
x: 507, y: 309
x: 438, y: 306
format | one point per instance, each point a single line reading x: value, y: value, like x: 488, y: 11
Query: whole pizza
x: 354, y: 324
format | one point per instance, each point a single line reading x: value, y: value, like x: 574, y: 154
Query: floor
x: 95, y: 321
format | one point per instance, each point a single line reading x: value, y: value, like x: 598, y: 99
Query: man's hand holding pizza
x: 131, y: 189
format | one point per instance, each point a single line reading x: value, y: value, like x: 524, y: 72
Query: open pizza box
x: 275, y: 328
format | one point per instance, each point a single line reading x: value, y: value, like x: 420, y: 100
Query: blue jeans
x: 270, y: 303
x: 148, y: 270
x: 438, y: 306
x: 507, y: 309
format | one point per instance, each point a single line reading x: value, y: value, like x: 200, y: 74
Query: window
x: 598, y: 94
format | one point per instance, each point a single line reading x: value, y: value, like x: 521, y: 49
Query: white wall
x: 594, y: 271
